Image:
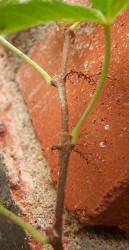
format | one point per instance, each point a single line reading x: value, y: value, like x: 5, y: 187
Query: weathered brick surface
x: 17, y: 186
x: 98, y: 177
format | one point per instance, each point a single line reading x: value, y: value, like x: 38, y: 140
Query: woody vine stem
x: 67, y: 141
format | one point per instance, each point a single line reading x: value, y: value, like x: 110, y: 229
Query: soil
x: 37, y: 197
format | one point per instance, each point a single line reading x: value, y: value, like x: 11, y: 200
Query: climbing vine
x: 37, y: 12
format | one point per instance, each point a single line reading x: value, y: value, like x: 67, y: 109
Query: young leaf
x: 15, y: 16
x: 110, y: 8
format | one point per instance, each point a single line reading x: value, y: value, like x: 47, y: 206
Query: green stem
x: 31, y: 230
x: 26, y: 58
x: 79, y: 125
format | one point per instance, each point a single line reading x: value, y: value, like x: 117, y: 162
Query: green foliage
x: 15, y: 16
x: 110, y: 8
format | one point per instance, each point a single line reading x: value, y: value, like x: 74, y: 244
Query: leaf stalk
x: 44, y: 239
x: 43, y: 73
x: 79, y: 125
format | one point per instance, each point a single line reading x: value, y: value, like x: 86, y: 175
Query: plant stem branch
x: 43, y: 73
x: 79, y: 125
x: 44, y: 239
x: 65, y: 142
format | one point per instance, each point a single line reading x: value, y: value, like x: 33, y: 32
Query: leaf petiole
x: 79, y: 125
x: 44, y: 239
x: 43, y: 73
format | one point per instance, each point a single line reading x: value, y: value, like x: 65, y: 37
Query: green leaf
x: 18, y: 16
x: 110, y: 8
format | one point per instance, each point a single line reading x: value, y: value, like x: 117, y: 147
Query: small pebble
x: 101, y: 144
x: 106, y: 127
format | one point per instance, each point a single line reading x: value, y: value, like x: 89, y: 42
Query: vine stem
x: 65, y: 144
x: 44, y: 239
x: 79, y: 125
x: 43, y: 73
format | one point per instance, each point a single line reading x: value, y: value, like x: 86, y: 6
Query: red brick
x: 98, y: 176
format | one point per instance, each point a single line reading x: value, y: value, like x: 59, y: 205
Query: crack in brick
x: 80, y: 75
x: 81, y: 155
x: 86, y: 77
